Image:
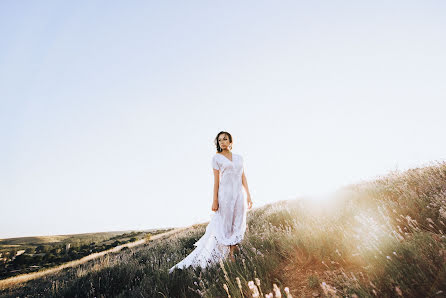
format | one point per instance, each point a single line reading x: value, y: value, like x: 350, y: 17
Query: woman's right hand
x: 215, y: 205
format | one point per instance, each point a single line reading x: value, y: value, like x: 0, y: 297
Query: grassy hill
x: 380, y: 238
x: 69, y: 238
x: 29, y: 254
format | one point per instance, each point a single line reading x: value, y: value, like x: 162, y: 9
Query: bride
x: 227, y: 226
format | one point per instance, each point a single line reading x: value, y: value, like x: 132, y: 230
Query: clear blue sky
x: 108, y: 110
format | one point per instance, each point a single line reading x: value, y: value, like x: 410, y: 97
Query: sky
x: 109, y: 110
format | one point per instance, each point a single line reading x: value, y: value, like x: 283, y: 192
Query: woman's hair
x: 216, y: 140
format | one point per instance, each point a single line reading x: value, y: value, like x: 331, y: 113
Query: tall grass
x: 380, y: 238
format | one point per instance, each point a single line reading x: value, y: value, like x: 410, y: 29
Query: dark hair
x: 216, y: 140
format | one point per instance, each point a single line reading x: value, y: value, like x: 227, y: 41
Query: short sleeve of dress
x: 215, y: 165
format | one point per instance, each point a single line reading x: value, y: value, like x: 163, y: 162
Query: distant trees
x: 23, y: 259
x: 12, y: 253
x: 42, y: 249
x: 56, y: 250
x: 29, y: 250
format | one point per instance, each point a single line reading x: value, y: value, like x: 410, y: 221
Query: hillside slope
x: 380, y: 238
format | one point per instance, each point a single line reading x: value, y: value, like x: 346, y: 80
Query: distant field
x: 91, y: 237
x: 29, y: 254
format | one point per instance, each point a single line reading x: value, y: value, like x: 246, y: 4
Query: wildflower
x: 224, y: 270
x: 239, y: 284
x: 258, y: 284
x: 270, y: 295
x: 328, y: 289
x: 388, y: 257
x: 398, y: 291
x: 257, y: 281
x: 395, y: 253
x: 287, y: 292
x: 337, y: 251
x: 276, y: 291
x: 225, y: 286
x: 253, y: 288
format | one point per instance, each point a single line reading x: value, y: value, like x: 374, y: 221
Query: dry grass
x: 380, y: 238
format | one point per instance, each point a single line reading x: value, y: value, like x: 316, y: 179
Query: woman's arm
x: 216, y: 185
x: 245, y: 185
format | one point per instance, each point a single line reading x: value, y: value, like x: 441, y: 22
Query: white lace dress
x: 228, y: 224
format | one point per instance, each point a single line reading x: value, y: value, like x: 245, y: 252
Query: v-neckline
x: 232, y: 155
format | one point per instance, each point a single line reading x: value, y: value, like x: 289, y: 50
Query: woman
x: 228, y: 224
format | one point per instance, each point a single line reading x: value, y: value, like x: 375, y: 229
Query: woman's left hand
x: 249, y: 201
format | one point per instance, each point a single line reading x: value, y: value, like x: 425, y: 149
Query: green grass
x: 380, y: 238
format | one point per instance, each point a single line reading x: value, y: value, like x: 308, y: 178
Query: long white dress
x: 228, y: 224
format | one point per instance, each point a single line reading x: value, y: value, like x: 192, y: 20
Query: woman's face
x: 223, y: 141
